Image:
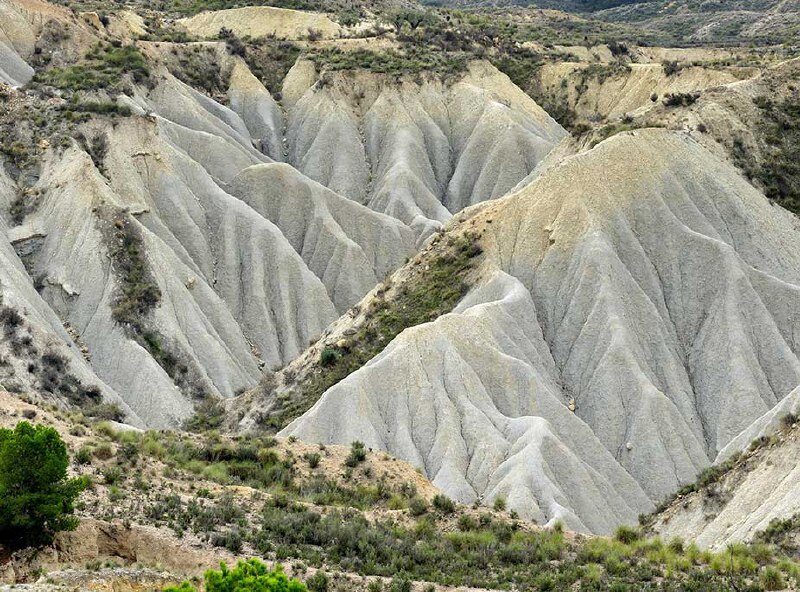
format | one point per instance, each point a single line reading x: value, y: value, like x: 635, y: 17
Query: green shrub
x: 417, y: 506
x: 36, y: 498
x: 400, y: 584
x: 772, y: 579
x: 83, y: 456
x: 209, y: 414
x: 358, y: 454
x: 500, y: 504
x: 444, y: 504
x: 671, y: 67
x: 112, y: 475
x: 104, y: 66
x: 627, y: 534
x: 104, y: 451
x: 328, y: 356
x: 680, y: 99
x: 318, y: 582
x: 105, y: 411
x: 248, y: 576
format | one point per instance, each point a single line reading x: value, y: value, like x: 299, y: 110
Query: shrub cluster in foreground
x: 36, y: 498
x: 247, y: 576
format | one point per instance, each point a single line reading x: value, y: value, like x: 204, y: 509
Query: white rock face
x: 17, y: 40
x: 252, y: 259
x: 428, y: 149
x: 765, y: 487
x: 14, y: 71
x: 646, y: 283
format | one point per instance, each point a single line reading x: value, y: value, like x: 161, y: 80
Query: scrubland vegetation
x: 421, y: 300
x: 372, y: 530
x: 104, y: 67
x: 779, y: 173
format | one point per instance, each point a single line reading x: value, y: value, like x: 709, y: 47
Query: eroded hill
x: 259, y: 219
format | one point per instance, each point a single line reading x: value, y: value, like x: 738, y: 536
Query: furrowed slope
x: 234, y: 293
x: 262, y: 21
x: 751, y: 494
x: 41, y: 354
x: 635, y: 315
x: 418, y: 151
x: 183, y: 256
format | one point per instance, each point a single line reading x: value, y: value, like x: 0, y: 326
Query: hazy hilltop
x: 404, y: 297
x: 680, y: 22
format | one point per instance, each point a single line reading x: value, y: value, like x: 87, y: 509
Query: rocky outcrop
x: 14, y: 71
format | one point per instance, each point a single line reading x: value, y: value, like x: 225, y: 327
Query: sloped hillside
x: 634, y: 315
x: 426, y: 150
x: 165, y: 506
x: 161, y: 228
x: 761, y: 21
x: 356, y: 227
x: 752, y: 493
x: 261, y: 21
x: 751, y: 122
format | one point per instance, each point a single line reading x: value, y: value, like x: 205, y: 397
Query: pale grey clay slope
x: 47, y: 330
x: 418, y: 152
x: 644, y: 283
x: 17, y: 39
x: 764, y: 487
x: 252, y: 257
x: 634, y: 318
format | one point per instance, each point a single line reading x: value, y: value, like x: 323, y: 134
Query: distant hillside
x: 762, y: 21
x: 683, y: 22
x: 581, y: 5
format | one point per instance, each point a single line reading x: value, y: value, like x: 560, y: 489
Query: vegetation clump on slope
x: 138, y: 294
x: 779, y: 173
x: 410, y: 60
x: 105, y: 66
x: 783, y: 534
x: 247, y: 576
x: 421, y: 300
x: 48, y: 367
